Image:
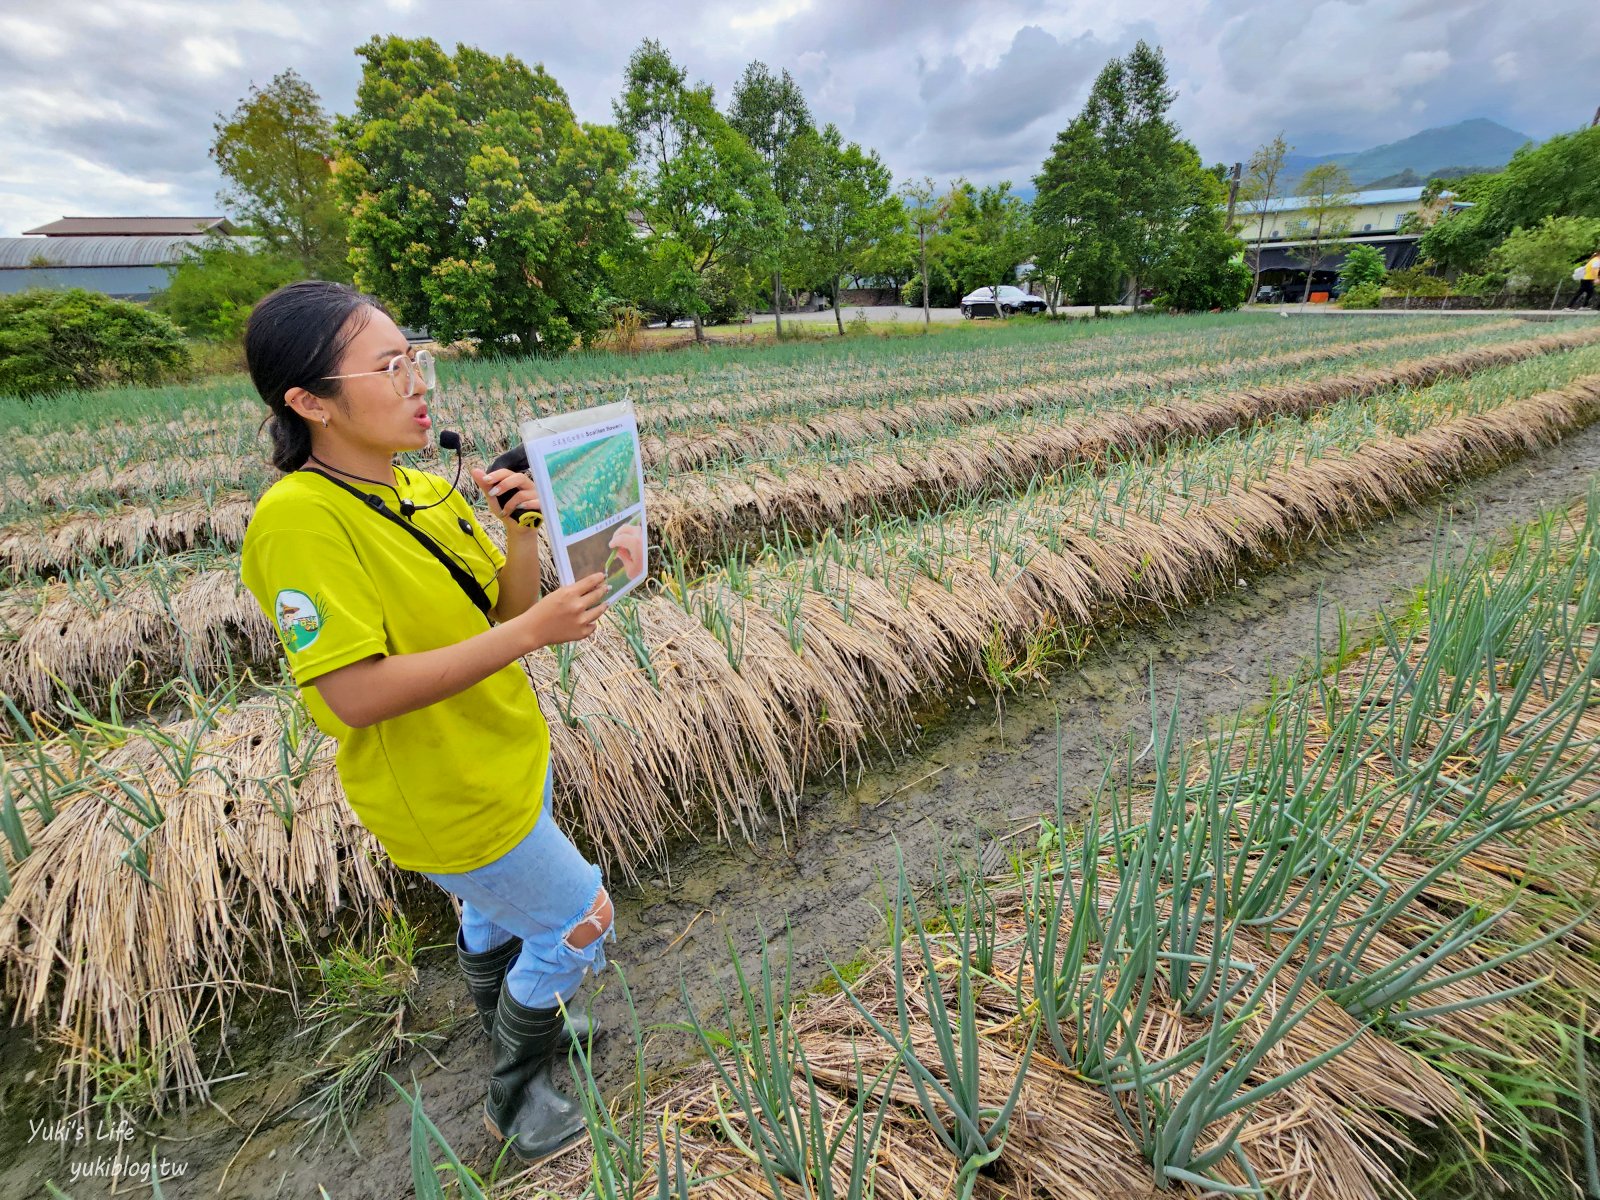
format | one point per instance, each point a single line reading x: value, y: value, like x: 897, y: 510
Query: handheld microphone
x: 516, y: 459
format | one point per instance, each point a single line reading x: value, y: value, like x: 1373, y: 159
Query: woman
x: 404, y: 626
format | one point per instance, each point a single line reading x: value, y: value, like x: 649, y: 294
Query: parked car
x: 981, y: 303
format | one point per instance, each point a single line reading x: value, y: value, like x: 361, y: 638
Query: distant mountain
x: 1477, y: 143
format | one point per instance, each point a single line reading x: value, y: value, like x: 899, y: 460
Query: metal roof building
x: 126, y: 257
x: 130, y: 226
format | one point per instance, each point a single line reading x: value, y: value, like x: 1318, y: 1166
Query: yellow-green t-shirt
x: 446, y: 788
x: 1591, y: 269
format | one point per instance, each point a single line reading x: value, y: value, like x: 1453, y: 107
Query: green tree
x: 1324, y: 203
x: 991, y: 233
x: 850, y: 208
x: 275, y: 150
x: 704, y: 195
x: 1113, y: 193
x: 770, y: 111
x: 56, y: 341
x: 1075, y: 210
x: 1541, y: 259
x: 1263, y: 182
x: 1363, y: 266
x: 477, y: 204
x: 1202, y: 267
x: 1558, y: 178
x: 213, y: 289
x: 927, y: 214
x: 1153, y: 184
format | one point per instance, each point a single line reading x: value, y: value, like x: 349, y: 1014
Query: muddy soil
x: 973, y: 767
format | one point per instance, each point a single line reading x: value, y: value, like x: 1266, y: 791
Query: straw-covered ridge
x: 105, y: 463
x: 710, y: 701
x: 207, y: 498
x: 1304, y: 957
x: 736, y: 437
x: 85, y: 635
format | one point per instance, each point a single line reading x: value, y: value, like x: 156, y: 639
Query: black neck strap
x: 464, y: 578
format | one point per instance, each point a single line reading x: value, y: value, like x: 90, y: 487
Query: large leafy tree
x: 1075, y: 216
x: 275, y: 151
x: 990, y: 234
x: 1201, y: 267
x: 477, y: 204
x: 1558, y: 178
x: 770, y: 111
x: 705, y: 196
x: 1113, y: 193
x: 849, y: 208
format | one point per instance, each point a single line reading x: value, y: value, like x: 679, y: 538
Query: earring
x: 324, y: 422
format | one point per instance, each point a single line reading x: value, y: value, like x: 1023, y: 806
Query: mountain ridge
x: 1476, y: 143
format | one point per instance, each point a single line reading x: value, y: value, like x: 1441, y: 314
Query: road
x: 902, y: 312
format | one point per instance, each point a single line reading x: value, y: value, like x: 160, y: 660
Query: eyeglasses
x: 405, y: 373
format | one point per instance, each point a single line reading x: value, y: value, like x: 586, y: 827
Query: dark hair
x: 295, y: 338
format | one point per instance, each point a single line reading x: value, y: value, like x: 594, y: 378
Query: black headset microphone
x: 515, y: 458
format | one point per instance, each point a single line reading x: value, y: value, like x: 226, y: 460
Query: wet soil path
x: 968, y: 770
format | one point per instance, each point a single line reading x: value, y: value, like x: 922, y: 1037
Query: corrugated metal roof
x: 17, y: 253
x: 130, y: 226
x: 1410, y: 195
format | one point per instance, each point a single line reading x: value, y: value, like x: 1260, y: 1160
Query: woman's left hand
x: 507, y: 491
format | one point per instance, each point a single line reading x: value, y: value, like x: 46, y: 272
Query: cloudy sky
x: 108, y: 107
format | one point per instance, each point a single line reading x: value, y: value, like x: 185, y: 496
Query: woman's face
x: 374, y: 410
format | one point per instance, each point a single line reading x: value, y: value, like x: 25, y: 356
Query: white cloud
x: 210, y: 56
x: 42, y: 185
x: 763, y: 16
x: 1418, y: 66
x: 33, y: 37
x: 111, y: 105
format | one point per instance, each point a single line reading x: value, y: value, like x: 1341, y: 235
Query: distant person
x: 1591, y: 272
x: 405, y: 627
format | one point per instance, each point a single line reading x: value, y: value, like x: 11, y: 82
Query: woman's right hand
x: 568, y: 614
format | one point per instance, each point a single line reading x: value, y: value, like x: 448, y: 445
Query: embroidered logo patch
x: 298, y: 619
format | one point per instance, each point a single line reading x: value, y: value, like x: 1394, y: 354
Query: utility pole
x: 1233, y: 187
x: 1596, y: 120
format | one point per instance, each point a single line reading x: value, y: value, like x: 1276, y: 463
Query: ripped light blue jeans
x: 539, y: 890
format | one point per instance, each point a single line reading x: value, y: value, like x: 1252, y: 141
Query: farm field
x: 853, y: 539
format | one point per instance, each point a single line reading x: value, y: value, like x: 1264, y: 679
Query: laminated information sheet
x: 590, y: 477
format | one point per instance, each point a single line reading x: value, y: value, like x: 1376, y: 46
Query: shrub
x: 214, y: 288
x: 1363, y: 295
x: 1490, y: 283
x: 1414, y: 281
x: 941, y: 294
x: 1202, y: 287
x: 1363, y: 266
x: 56, y: 341
x: 727, y: 298
x: 1539, y: 261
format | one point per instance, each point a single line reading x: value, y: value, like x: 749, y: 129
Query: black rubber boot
x: 486, y: 971
x: 525, y: 1107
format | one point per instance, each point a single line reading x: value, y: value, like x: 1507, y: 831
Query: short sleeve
x: 319, y: 598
